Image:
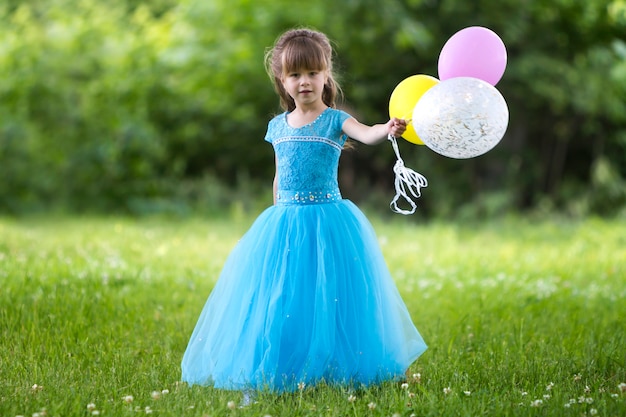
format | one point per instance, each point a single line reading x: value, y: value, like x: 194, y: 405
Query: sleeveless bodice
x: 307, y: 157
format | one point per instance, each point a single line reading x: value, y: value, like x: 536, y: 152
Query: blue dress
x: 305, y: 295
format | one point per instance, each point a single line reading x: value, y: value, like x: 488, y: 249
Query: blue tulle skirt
x: 305, y: 296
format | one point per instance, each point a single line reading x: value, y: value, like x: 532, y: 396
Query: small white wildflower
x: 231, y: 405
x: 468, y: 393
x: 536, y: 403
x: 404, y: 386
x: 396, y: 415
x: 614, y: 395
x: 572, y: 400
x: 549, y: 386
x: 37, y: 387
x: 547, y: 396
x: 165, y: 391
x: 155, y: 395
x: 301, y: 386
x: 417, y: 377
x: 581, y: 399
x: 95, y: 413
x: 148, y: 410
x: 351, y: 398
x: 371, y: 406
x: 91, y: 407
x: 36, y: 415
x: 622, y: 386
x: 601, y: 390
x: 567, y: 405
x: 577, y: 377
x: 593, y: 411
x: 447, y: 390
x: 587, y: 389
x: 589, y: 400
x: 411, y: 395
x: 524, y: 393
x: 128, y: 399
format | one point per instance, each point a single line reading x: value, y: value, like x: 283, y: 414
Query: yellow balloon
x: 404, y: 98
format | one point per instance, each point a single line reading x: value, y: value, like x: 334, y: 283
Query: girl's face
x: 305, y: 86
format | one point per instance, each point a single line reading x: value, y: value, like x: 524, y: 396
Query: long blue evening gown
x: 305, y: 296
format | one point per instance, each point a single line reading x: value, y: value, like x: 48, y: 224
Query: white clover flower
x: 165, y: 391
x: 128, y: 399
x: 447, y: 390
x: 301, y: 386
x: 536, y: 403
x: 547, y: 396
x: 549, y: 386
x: 371, y: 406
x: 95, y: 413
x: 622, y: 386
x: 524, y: 393
x: 577, y: 377
x: 417, y: 377
x: 589, y: 400
x: 155, y: 395
x: 351, y: 398
x: 404, y: 386
x: 231, y: 405
x: 567, y: 405
x: 614, y: 395
x: 148, y: 410
x: 587, y: 389
x: 37, y: 387
x: 411, y: 395
x: 593, y: 411
x: 91, y: 407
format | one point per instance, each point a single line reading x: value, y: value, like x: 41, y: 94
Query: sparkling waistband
x: 307, y: 197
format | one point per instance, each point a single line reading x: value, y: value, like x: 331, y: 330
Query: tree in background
x: 128, y: 105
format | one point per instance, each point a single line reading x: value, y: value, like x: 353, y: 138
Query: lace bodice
x: 307, y: 157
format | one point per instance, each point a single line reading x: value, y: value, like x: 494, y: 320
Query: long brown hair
x: 299, y: 49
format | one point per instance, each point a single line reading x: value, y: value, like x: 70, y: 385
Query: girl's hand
x: 396, y: 127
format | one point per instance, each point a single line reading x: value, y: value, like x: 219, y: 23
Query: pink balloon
x: 475, y: 52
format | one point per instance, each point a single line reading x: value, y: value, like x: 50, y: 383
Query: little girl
x: 305, y: 296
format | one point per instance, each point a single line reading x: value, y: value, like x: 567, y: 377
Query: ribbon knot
x: 406, y: 182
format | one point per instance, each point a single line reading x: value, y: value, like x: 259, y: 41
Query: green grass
x: 524, y: 316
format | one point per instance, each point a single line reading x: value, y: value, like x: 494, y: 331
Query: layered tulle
x: 305, y: 296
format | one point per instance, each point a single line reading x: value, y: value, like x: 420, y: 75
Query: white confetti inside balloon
x: 461, y: 117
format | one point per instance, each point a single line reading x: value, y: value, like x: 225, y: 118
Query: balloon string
x: 405, y: 179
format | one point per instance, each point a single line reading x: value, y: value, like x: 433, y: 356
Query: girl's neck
x: 303, y: 115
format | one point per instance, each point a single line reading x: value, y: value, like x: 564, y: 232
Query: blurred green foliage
x: 140, y: 106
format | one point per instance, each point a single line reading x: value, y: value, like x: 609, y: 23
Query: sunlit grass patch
x: 521, y: 318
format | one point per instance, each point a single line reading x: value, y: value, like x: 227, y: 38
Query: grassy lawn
x: 522, y: 318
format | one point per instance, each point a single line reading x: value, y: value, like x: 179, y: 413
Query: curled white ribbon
x: 406, y: 181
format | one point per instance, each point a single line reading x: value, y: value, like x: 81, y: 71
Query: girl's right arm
x: 275, y: 184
